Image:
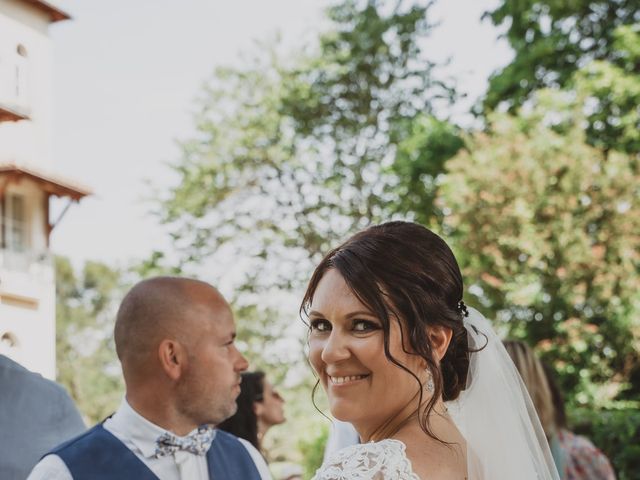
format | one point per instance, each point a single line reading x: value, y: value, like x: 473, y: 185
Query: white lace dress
x: 384, y: 460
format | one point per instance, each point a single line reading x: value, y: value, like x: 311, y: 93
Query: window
x: 15, y: 223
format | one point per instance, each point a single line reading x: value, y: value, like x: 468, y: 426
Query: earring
x: 430, y: 387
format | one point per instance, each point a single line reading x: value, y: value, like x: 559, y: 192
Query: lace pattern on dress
x: 384, y: 460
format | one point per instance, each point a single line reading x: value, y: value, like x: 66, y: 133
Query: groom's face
x: 211, y: 382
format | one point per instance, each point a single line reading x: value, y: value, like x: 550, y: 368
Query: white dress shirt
x: 342, y: 435
x: 139, y: 435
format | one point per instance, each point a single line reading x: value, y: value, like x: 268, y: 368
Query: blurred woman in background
x: 575, y: 456
x: 260, y: 407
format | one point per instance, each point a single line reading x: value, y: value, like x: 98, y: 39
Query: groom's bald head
x: 159, y: 308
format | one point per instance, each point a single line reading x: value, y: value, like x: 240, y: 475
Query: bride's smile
x: 345, y: 380
x: 347, y: 352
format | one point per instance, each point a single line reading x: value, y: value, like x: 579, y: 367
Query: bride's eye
x: 364, y: 325
x: 320, y: 325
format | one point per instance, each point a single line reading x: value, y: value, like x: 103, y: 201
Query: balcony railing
x: 28, y: 276
x: 26, y: 261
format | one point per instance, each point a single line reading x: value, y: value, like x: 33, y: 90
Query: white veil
x: 495, y: 414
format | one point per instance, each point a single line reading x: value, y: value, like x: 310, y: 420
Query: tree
x: 611, y: 94
x: 85, y: 352
x: 591, y: 47
x: 546, y: 229
x: 290, y: 157
x: 420, y: 160
x: 551, y: 40
x: 369, y: 98
x: 240, y: 191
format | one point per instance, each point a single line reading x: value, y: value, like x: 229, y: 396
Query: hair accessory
x: 462, y: 308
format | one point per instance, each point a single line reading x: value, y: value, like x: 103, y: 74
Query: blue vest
x: 99, y: 455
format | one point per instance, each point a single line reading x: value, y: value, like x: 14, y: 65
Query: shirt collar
x: 142, y: 433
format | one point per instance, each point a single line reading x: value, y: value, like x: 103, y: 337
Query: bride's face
x: 346, y: 350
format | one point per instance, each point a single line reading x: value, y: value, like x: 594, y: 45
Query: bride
x: 424, y: 380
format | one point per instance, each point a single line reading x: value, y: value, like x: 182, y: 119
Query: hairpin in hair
x: 462, y: 308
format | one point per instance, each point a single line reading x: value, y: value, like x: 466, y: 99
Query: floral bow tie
x: 198, y: 442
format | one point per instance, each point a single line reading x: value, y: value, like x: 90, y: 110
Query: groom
x: 175, y: 340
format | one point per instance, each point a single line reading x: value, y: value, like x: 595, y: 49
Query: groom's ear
x: 172, y: 357
x: 440, y: 337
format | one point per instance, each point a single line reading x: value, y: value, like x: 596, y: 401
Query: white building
x: 27, y: 283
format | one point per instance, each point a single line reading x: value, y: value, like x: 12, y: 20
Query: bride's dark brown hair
x: 403, y: 270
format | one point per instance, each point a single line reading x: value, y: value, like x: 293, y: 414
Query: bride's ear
x: 440, y: 337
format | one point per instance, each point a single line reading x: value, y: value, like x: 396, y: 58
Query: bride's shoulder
x: 385, y: 459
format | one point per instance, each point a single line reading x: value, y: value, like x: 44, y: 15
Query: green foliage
x: 611, y: 93
x: 262, y: 340
x: 291, y: 156
x: 368, y: 79
x: 584, y: 46
x: 616, y: 433
x: 563, y: 285
x: 366, y: 98
x: 546, y: 229
x: 156, y: 264
x: 86, y: 359
x: 312, y: 449
x: 551, y: 40
x: 424, y: 145
x: 242, y: 187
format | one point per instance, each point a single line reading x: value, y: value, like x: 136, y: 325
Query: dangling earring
x: 429, y: 386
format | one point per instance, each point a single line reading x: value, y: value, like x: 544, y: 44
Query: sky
x: 126, y: 75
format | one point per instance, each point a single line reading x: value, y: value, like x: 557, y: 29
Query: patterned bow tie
x: 198, y: 442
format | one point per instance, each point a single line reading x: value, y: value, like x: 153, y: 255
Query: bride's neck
x: 405, y: 420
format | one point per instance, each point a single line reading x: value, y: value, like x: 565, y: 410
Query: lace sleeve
x: 383, y: 460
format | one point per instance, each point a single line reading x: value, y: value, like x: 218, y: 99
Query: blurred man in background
x: 36, y: 414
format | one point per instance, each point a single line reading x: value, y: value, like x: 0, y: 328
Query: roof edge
x: 66, y: 187
x: 55, y: 14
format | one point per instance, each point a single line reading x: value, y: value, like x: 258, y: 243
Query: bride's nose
x: 335, y: 348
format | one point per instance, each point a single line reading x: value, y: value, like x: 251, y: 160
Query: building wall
x: 27, y: 313
x: 27, y: 283
x: 26, y: 142
x: 27, y: 290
